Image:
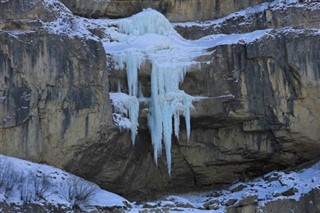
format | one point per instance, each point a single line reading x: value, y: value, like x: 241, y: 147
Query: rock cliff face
x: 261, y: 110
x: 175, y: 10
x: 53, y: 87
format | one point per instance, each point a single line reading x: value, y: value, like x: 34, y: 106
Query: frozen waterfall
x: 149, y: 36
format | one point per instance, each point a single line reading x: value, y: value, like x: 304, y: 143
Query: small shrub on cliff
x: 8, y: 177
x: 33, y: 186
x: 77, y: 191
x: 41, y: 184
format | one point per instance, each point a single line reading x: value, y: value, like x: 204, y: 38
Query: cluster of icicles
x: 151, y: 39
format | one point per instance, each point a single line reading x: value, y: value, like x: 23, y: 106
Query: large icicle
x: 167, y: 102
x: 132, y: 60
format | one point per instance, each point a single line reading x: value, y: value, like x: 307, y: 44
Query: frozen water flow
x: 149, y: 37
x: 167, y: 102
x: 132, y: 60
x: 148, y: 21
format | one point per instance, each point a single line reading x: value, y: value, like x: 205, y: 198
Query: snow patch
x: 66, y: 23
x: 43, y: 184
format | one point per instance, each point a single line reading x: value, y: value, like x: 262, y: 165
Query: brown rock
x: 176, y: 11
x: 23, y: 15
x: 306, y: 16
x: 52, y: 89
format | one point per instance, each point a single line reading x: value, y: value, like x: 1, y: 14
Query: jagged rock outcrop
x: 175, y: 10
x: 261, y: 110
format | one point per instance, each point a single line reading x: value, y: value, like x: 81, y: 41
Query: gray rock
x: 211, y: 204
x: 247, y: 201
x: 289, y: 192
x: 238, y: 188
x: 231, y: 202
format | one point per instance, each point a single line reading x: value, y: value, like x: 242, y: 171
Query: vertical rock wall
x: 174, y: 10
x: 53, y: 95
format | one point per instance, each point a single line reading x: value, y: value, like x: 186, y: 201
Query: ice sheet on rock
x: 166, y: 51
x: 149, y: 36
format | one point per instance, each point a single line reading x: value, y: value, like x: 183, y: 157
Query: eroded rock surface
x: 261, y: 110
x: 174, y: 10
x: 53, y: 89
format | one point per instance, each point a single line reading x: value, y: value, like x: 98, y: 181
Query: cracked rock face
x: 52, y: 88
x: 175, y: 11
x: 261, y: 112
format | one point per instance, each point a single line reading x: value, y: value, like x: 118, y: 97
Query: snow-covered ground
x: 272, y: 186
x: 42, y: 184
x: 28, y: 186
x: 24, y: 182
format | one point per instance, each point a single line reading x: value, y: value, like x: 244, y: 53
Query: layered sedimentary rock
x: 175, y: 10
x: 260, y: 111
